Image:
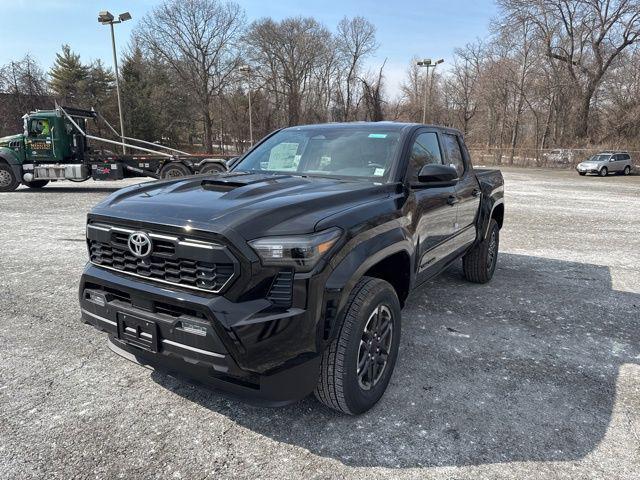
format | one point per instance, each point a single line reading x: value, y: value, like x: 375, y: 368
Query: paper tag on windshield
x: 378, y: 172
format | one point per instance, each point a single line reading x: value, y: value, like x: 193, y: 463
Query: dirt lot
x: 535, y: 375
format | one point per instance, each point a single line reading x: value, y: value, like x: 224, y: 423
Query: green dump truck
x: 55, y: 146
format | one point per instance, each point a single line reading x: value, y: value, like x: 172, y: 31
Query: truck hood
x: 253, y: 205
x: 10, y: 138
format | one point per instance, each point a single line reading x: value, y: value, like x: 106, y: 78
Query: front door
x: 435, y: 208
x: 39, y: 145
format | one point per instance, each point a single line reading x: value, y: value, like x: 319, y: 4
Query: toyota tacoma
x: 287, y: 274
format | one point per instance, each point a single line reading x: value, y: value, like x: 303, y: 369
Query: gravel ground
x: 535, y: 375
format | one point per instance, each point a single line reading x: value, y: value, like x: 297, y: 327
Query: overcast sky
x: 405, y: 28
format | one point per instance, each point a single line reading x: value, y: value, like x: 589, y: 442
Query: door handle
x: 452, y: 200
x: 475, y: 192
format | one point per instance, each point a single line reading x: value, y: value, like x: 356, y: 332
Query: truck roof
x: 384, y: 125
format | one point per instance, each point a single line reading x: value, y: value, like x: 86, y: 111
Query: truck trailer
x: 55, y: 146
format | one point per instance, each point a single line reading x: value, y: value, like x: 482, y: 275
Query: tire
x: 174, y: 170
x: 212, y: 169
x: 603, y: 172
x: 340, y: 387
x: 8, y: 180
x: 582, y: 174
x: 627, y: 170
x: 36, y: 183
x: 480, y: 262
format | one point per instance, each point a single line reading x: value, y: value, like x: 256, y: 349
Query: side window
x: 425, y: 151
x: 454, y: 154
x: 39, y: 127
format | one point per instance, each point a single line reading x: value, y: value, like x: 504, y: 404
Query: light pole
x: 427, y: 63
x: 106, y: 18
x: 246, y: 69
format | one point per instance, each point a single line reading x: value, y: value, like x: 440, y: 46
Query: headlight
x: 300, y: 251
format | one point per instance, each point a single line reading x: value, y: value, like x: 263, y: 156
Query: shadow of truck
x: 521, y: 369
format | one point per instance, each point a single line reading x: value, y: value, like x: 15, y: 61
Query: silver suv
x: 605, y: 163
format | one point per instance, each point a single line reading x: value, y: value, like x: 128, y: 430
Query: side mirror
x: 437, y: 176
x: 612, y: 159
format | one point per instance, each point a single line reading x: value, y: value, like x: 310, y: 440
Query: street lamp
x: 106, y: 18
x: 427, y: 63
x: 246, y: 69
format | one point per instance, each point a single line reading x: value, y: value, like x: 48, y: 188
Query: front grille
x: 189, y: 263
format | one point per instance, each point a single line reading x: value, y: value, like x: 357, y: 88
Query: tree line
x: 550, y: 73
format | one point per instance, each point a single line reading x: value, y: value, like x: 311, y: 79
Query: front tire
x: 36, y: 183
x: 357, y: 365
x: 8, y: 180
x: 603, y: 172
x: 480, y: 262
x: 582, y: 174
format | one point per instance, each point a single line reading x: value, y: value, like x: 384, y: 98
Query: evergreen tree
x: 68, y: 76
x: 99, y: 85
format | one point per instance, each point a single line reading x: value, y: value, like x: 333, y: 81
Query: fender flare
x: 496, y: 203
x: 12, y: 161
x: 351, y: 267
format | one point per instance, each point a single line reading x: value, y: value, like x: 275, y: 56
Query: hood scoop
x: 228, y: 183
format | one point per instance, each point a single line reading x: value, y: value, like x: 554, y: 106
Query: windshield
x: 599, y: 158
x: 333, y: 152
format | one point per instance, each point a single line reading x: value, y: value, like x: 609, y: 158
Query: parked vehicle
x: 287, y: 275
x: 55, y: 146
x: 607, y: 162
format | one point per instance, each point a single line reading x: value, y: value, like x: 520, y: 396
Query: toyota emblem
x: 140, y: 244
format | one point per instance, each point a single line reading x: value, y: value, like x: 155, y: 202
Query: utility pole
x: 247, y: 70
x: 427, y: 63
x: 106, y: 18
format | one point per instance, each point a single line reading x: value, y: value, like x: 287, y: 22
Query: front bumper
x: 587, y: 169
x: 245, y: 348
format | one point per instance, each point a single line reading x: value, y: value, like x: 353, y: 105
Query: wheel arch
x: 11, y: 160
x: 497, y: 213
x: 388, y: 256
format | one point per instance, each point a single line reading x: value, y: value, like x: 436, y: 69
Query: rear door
x: 621, y: 161
x: 467, y: 189
x: 434, y: 209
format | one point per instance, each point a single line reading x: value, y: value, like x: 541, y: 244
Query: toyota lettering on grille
x: 140, y: 244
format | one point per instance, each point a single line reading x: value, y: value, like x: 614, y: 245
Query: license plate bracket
x: 138, y: 332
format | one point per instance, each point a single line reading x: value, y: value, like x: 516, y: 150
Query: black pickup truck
x: 287, y: 274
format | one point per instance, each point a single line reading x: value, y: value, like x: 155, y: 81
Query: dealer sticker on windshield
x: 378, y: 172
x: 377, y: 135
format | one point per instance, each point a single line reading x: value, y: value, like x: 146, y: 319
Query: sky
x: 405, y: 28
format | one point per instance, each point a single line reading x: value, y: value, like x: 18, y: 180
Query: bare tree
x: 292, y: 51
x: 462, y: 84
x: 356, y: 39
x: 199, y: 39
x: 586, y: 36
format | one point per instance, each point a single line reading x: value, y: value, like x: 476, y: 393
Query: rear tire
x: 357, y: 365
x: 8, y: 180
x: 212, y: 169
x: 480, y: 262
x: 627, y: 170
x: 36, y: 183
x: 175, y: 170
x: 603, y: 172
